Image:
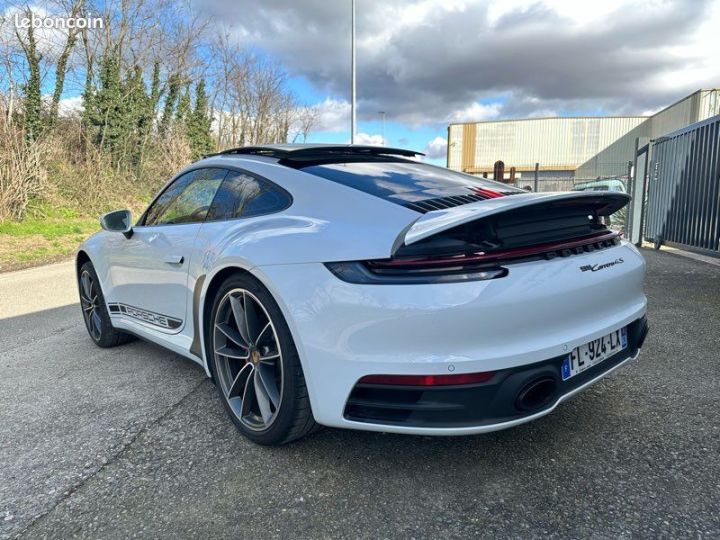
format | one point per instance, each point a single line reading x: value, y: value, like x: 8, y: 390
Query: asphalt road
x: 133, y: 442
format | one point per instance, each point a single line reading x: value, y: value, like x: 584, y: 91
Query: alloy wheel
x: 90, y: 304
x: 248, y: 358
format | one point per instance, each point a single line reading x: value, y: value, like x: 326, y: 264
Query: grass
x: 46, y: 235
x: 49, y: 228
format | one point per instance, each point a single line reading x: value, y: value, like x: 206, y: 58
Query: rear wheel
x: 94, y: 310
x: 256, y: 365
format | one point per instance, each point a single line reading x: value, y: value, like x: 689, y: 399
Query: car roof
x: 314, y: 152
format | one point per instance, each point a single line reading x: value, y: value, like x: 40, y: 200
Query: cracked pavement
x: 133, y: 442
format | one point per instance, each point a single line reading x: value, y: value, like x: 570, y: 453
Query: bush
x: 22, y: 172
x: 60, y: 173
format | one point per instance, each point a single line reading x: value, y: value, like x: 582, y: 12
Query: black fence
x: 595, y: 183
x: 683, y: 205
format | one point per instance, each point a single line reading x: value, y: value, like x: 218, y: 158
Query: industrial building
x: 578, y: 147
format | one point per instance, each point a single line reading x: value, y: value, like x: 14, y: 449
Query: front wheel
x: 256, y: 364
x: 94, y: 310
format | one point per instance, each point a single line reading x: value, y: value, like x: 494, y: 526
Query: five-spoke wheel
x: 249, y: 359
x: 89, y: 304
x: 255, y: 364
x: 95, y: 314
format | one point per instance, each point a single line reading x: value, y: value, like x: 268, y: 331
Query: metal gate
x: 684, y: 188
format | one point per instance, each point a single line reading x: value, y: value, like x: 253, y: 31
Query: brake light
x: 489, y: 193
x: 374, y: 272
x: 428, y: 380
x: 606, y: 239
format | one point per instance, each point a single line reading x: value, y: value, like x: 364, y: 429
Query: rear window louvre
x: 442, y: 203
x: 411, y: 184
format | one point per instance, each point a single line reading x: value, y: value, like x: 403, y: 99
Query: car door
x: 149, y: 271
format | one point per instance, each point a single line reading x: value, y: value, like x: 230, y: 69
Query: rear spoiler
x: 437, y: 221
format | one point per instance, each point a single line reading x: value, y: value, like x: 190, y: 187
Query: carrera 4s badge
x: 596, y: 267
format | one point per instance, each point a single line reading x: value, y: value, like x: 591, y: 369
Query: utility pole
x: 352, y: 77
x: 382, y: 114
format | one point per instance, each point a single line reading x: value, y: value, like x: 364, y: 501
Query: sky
x: 427, y: 63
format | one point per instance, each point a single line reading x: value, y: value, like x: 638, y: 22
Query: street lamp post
x: 352, y: 77
x: 382, y: 114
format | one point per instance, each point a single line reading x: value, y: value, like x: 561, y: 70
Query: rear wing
x: 437, y: 221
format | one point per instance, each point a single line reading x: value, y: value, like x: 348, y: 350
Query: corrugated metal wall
x: 591, y: 147
x: 684, y: 188
x: 555, y: 143
x: 613, y: 159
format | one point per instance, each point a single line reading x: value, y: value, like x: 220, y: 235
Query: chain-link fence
x: 542, y: 185
x: 615, y: 184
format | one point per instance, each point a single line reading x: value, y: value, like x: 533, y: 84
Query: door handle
x: 174, y: 259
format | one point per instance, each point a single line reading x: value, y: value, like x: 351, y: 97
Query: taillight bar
x: 360, y: 272
x: 428, y: 380
x: 482, y: 257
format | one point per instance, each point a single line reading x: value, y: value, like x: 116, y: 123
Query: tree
x: 62, y: 62
x: 11, y: 65
x: 135, y: 110
x: 88, y: 95
x: 306, y: 120
x: 107, y: 116
x: 252, y: 102
x: 33, y: 100
x: 198, y: 129
x: 182, y: 114
x: 147, y: 121
x: 170, y: 101
x: 155, y: 91
x: 147, y: 118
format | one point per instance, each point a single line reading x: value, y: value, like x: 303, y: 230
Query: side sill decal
x: 155, y: 319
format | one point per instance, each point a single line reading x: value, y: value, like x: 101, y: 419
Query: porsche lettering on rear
x: 596, y: 267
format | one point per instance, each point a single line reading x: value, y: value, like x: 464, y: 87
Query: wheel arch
x: 204, y: 299
x: 206, y: 292
x: 81, y: 258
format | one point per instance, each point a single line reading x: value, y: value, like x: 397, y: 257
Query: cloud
x: 422, y: 61
x: 366, y: 138
x: 70, y: 106
x: 49, y: 41
x: 476, y: 112
x: 436, y: 149
x: 333, y: 115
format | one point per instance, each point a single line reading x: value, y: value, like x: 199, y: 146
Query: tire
x: 256, y: 365
x: 94, y: 310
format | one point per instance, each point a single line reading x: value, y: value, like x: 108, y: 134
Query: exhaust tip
x: 536, y: 394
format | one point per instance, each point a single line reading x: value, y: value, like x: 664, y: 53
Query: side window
x: 243, y: 195
x: 188, y: 199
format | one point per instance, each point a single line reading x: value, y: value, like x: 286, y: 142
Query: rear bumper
x: 493, y: 404
x: 536, y: 314
x: 486, y: 428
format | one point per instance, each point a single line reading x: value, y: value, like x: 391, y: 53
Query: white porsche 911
x: 356, y: 287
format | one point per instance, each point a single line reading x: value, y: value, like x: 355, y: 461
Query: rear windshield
x: 404, y: 181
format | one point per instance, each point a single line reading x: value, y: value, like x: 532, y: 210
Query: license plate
x: 594, y: 352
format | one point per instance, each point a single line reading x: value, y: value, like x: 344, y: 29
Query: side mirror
x: 118, y: 221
